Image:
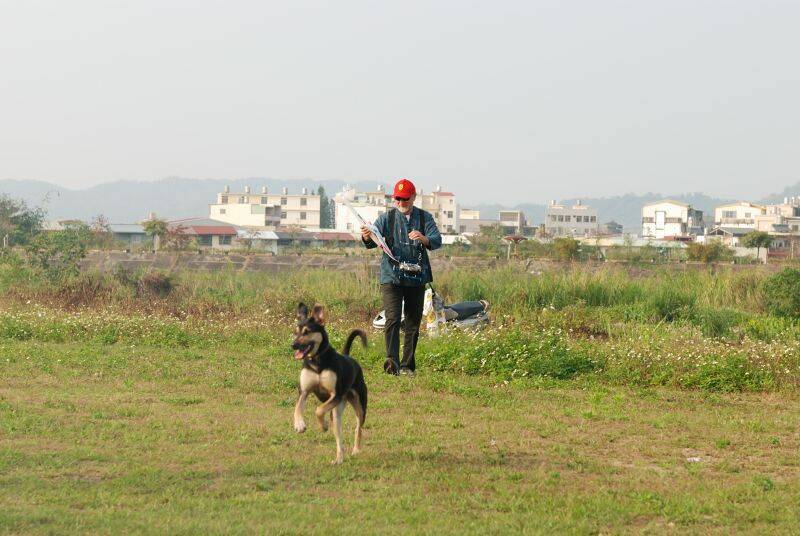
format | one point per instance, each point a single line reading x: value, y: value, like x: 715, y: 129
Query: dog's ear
x: 318, y: 314
x: 302, y: 312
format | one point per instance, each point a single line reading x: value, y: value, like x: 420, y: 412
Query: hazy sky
x: 497, y: 101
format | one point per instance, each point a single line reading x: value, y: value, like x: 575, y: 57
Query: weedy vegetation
x: 155, y: 402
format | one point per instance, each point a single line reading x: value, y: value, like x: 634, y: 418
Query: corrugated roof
x: 667, y: 201
x: 295, y: 236
x: 126, y: 228
x: 220, y: 230
x: 735, y: 231
x: 333, y: 236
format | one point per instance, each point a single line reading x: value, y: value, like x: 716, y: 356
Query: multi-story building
x: 368, y: 205
x: 668, y: 218
x: 575, y: 220
x: 249, y: 209
x: 741, y: 215
x: 443, y: 208
x: 780, y: 218
x: 512, y: 221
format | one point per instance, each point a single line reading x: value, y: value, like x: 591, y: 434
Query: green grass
x: 128, y: 438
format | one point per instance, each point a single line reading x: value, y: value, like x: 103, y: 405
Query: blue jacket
x: 422, y: 221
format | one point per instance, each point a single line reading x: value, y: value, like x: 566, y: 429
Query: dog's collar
x: 320, y: 352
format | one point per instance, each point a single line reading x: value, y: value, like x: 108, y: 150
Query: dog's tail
x: 350, y: 338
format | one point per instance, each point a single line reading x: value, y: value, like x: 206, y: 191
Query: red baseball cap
x: 404, y: 189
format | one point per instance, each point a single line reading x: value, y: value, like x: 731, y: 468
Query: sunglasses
x: 401, y: 198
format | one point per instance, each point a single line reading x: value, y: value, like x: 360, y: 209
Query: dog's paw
x: 355, y: 451
x: 300, y: 427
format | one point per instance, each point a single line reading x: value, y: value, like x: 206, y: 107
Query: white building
x: 368, y: 205
x: 668, y: 218
x: 576, y: 220
x: 741, y: 215
x: 248, y: 209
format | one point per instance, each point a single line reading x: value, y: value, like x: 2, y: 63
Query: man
x: 409, y: 232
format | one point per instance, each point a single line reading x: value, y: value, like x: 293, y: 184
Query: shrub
x: 669, y: 303
x: 58, y: 253
x: 565, y: 249
x: 155, y: 284
x: 711, y: 252
x: 717, y: 323
x: 781, y: 293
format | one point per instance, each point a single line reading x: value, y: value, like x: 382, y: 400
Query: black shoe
x: 390, y: 366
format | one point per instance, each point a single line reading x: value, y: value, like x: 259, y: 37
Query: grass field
x: 587, y: 414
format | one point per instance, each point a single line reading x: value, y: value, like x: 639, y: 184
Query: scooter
x: 462, y: 315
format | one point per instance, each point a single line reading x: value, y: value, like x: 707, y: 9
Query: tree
x: 758, y: 240
x: 58, y: 253
x: 18, y: 221
x: 327, y: 210
x: 176, y: 237
x: 102, y: 237
x: 155, y: 228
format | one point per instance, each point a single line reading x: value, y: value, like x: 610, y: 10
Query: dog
x: 333, y: 377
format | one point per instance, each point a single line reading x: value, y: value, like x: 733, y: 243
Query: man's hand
x: 365, y: 233
x: 416, y: 235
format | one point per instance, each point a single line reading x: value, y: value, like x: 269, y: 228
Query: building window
x: 594, y: 219
x: 222, y: 211
x: 462, y: 228
x: 449, y: 214
x: 224, y: 199
x: 729, y: 214
x: 264, y: 200
x: 567, y: 218
x: 283, y: 201
x: 560, y: 217
x: 303, y: 201
x: 552, y: 217
x: 225, y: 240
x: 204, y: 240
x: 579, y: 219
x: 302, y: 215
x: 283, y: 215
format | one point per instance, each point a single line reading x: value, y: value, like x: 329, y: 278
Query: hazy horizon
x: 509, y: 102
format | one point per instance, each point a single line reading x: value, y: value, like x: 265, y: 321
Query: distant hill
x: 132, y: 201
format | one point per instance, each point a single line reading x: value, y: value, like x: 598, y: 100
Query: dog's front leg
x: 299, y: 408
x: 324, y: 408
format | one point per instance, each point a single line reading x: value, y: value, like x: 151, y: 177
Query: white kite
x: 376, y: 234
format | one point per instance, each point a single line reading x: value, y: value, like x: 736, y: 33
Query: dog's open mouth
x: 302, y: 352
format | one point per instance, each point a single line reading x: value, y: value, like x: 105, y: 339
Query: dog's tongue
x: 298, y: 354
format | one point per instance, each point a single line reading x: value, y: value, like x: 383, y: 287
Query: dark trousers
x: 393, y: 298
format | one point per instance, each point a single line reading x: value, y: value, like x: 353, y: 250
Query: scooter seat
x: 467, y: 309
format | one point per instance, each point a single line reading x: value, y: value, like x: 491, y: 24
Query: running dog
x: 334, y: 378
